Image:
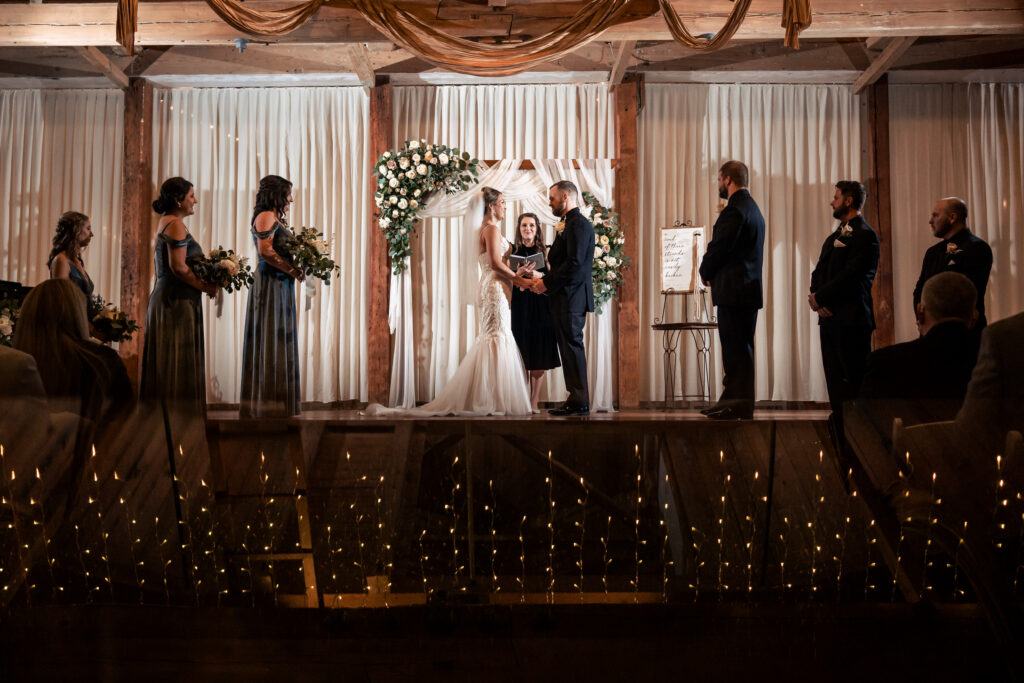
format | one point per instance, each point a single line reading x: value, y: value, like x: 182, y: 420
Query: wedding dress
x: 491, y: 379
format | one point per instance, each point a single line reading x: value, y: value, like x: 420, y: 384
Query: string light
x: 423, y: 568
x: 752, y: 518
x: 842, y: 538
x: 813, y: 525
x: 105, y: 555
x: 720, y: 541
x: 268, y: 524
x: 494, y: 551
x: 453, y: 529
x: 522, y: 562
x: 957, y: 593
x: 186, y: 530
x: 582, y: 524
x: 549, y: 480
x: 873, y: 541
x: 928, y: 538
x: 9, y: 501
x: 636, y: 525
x: 606, y: 561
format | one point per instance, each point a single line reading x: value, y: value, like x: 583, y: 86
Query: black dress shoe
x: 711, y: 409
x: 732, y: 414
x: 568, y: 410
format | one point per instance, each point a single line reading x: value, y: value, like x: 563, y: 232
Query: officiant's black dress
x: 532, y: 326
x: 270, y: 355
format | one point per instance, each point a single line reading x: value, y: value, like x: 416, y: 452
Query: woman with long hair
x: 270, y: 356
x: 74, y: 232
x: 174, y: 353
x: 79, y: 375
x: 531, y: 315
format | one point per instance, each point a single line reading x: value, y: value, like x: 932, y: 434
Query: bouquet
x: 8, y: 316
x: 109, y: 323
x: 309, y: 253
x: 223, y: 268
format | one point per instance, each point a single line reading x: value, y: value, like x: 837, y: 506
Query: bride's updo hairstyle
x: 172, y: 194
x: 272, y: 195
x: 490, y: 197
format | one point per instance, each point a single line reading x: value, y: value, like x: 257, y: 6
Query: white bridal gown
x: 491, y: 379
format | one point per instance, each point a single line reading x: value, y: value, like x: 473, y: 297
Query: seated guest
x: 74, y: 232
x: 925, y: 380
x: 995, y: 396
x: 80, y: 376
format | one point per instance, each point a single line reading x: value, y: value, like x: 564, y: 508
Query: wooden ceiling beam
x: 621, y: 62
x: 359, y: 58
x: 889, y: 56
x: 194, y: 23
x: 103, y: 63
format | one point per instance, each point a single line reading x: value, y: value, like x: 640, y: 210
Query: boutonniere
x: 559, y: 227
x: 952, y: 249
x: 846, y: 230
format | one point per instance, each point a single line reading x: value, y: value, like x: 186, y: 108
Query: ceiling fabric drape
x: 274, y: 22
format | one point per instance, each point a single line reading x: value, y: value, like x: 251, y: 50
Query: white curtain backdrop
x: 60, y: 150
x: 542, y: 122
x: 797, y: 140
x: 224, y: 140
x: 963, y: 140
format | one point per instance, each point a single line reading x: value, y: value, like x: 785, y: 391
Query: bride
x: 490, y: 378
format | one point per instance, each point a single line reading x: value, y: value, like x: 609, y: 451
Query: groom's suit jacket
x: 570, y: 282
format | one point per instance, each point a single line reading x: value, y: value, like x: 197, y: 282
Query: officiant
x: 531, y: 314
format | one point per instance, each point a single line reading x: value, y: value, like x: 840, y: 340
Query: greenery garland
x: 609, y: 252
x: 405, y: 179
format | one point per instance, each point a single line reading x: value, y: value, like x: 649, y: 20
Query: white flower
x: 392, y: 165
x: 402, y: 204
x: 230, y: 266
x: 433, y: 161
x: 422, y: 169
x: 402, y: 192
x: 384, y: 222
x: 443, y: 159
x: 411, y: 174
x: 417, y: 193
x: 413, y: 203
x: 604, y: 239
x: 606, y: 249
x: 6, y: 328
x: 403, y: 231
x: 609, y: 261
x: 950, y: 248
x: 386, y: 155
x: 416, y: 158
x: 559, y: 226
x: 393, y: 182
x: 429, y: 155
x: 383, y: 169
x: 403, y: 163
x: 597, y: 252
x: 596, y: 218
x: 394, y: 213
x: 610, y: 275
x: 393, y: 200
x: 414, y: 144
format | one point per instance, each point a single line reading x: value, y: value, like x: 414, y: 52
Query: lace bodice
x: 492, y: 299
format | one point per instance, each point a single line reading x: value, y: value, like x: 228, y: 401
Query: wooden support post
x: 136, y: 216
x: 378, y: 366
x: 627, y: 96
x: 875, y: 158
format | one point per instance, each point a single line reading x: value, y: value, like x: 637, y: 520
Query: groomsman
x: 960, y: 251
x: 732, y: 267
x: 841, y: 296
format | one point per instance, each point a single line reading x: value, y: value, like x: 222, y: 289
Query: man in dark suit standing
x: 570, y: 288
x: 732, y: 267
x: 960, y: 251
x: 841, y: 296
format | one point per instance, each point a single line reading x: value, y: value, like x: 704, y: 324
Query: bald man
x: 960, y: 251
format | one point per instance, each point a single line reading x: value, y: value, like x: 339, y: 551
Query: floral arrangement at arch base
x: 9, y: 309
x: 609, y: 252
x: 405, y: 179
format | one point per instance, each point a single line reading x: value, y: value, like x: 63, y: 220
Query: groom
x: 571, y: 292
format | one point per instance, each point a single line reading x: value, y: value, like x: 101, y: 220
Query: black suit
x: 570, y: 288
x: 972, y: 257
x: 841, y: 282
x: 732, y: 264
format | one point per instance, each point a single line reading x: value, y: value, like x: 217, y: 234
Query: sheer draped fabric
x: 224, y: 140
x: 61, y: 150
x: 797, y: 140
x: 964, y: 140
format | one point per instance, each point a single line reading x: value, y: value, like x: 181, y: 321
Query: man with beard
x: 960, y: 251
x: 732, y: 268
x: 841, y: 296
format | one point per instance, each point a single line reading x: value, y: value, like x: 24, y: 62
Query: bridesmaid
x: 270, y: 357
x: 173, y: 358
x: 531, y: 315
x: 74, y: 232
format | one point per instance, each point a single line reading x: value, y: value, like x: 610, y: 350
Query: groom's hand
x: 538, y: 286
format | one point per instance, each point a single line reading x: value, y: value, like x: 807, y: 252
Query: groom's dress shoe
x: 732, y: 414
x: 711, y: 409
x: 569, y: 411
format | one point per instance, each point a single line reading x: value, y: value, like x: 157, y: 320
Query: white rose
x: 392, y: 200
x: 403, y: 231
x: 597, y: 252
x: 596, y: 218
x: 384, y: 222
x: 604, y: 239
x: 393, y: 182
x: 402, y: 192
x: 229, y: 266
x: 5, y: 326
x: 383, y: 169
x: 606, y: 249
x: 444, y: 159
x: 422, y: 169
x: 416, y: 158
x: 387, y: 155
x: 402, y: 204
x: 411, y: 174
x: 414, y: 144
x: 429, y: 155
x: 403, y: 163
x: 417, y: 193
x: 394, y: 213
x: 610, y: 275
x: 433, y: 161
x: 413, y: 203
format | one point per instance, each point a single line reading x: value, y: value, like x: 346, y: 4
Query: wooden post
x: 875, y: 155
x: 627, y: 95
x: 378, y: 366
x: 136, y: 216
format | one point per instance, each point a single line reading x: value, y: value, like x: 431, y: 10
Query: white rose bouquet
x: 405, y: 179
x: 223, y: 268
x: 109, y: 323
x: 8, y: 316
x: 309, y: 252
x: 609, y: 252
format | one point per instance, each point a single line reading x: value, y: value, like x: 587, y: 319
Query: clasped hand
x: 527, y: 279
